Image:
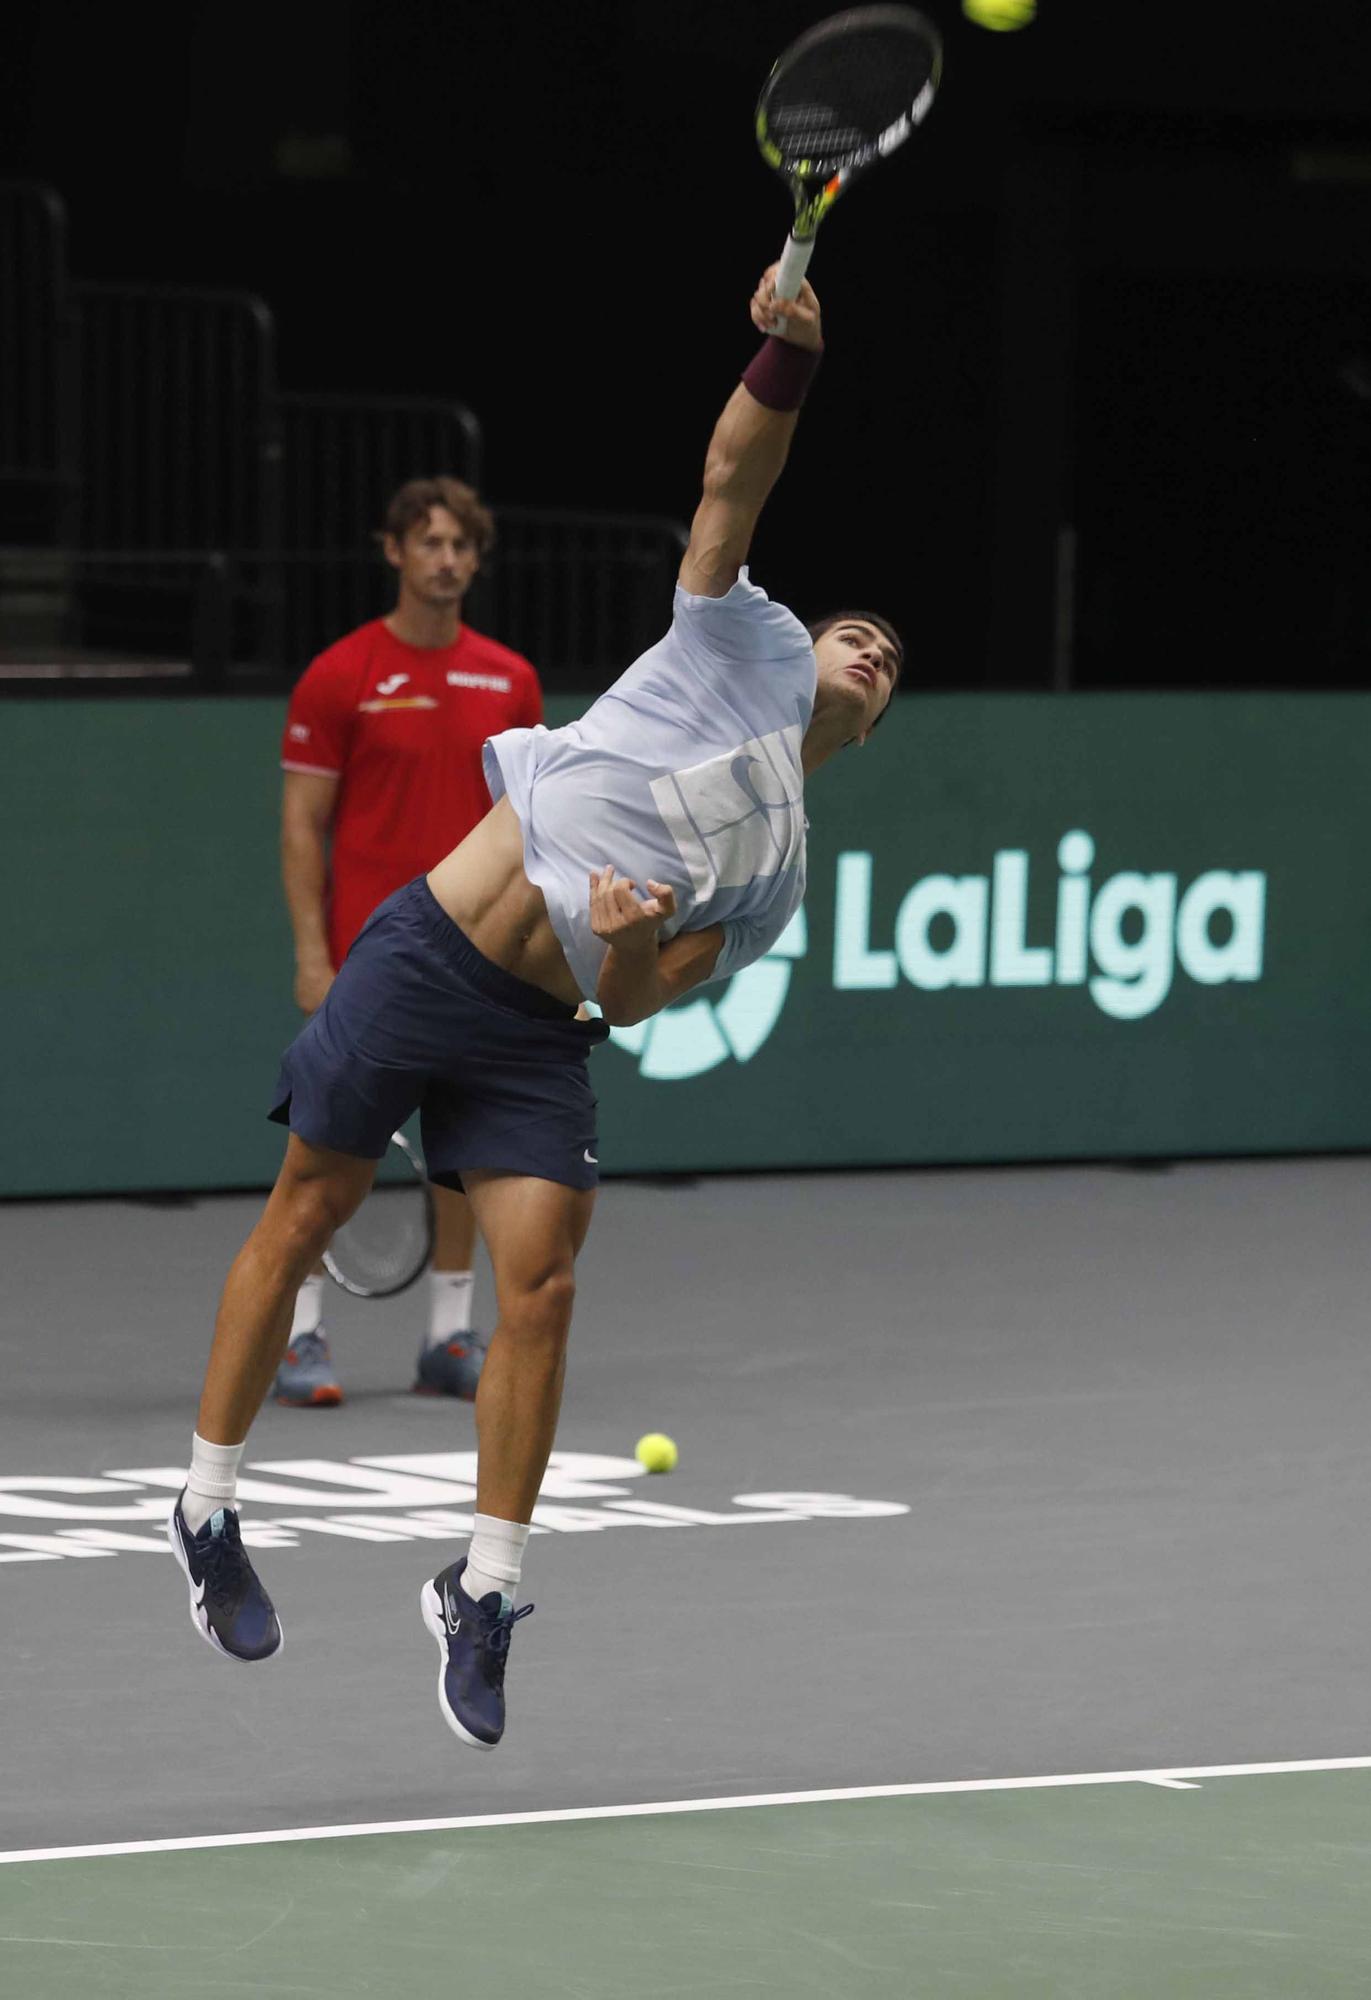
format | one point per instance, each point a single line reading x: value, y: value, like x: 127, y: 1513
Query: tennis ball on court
x: 656, y: 1453
x: 1001, y: 16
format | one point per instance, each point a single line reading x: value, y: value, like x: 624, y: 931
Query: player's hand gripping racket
x: 389, y: 1241
x: 845, y: 95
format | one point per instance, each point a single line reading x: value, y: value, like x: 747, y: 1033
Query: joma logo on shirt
x: 391, y: 683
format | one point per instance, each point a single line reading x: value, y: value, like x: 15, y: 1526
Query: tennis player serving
x: 655, y: 844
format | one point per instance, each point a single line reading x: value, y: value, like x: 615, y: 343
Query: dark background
x: 1097, y: 405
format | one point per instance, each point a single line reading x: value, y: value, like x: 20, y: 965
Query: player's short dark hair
x: 411, y: 506
x: 818, y: 626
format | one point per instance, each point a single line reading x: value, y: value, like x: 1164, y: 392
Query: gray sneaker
x: 453, y: 1368
x: 305, y: 1379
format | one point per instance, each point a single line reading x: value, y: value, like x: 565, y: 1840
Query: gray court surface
x: 1123, y: 1415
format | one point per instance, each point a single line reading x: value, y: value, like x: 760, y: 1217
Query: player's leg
x: 454, y: 1238
x: 306, y: 1379
x: 316, y: 1191
x: 511, y: 1115
x: 451, y: 1356
x: 351, y: 1077
x: 533, y: 1230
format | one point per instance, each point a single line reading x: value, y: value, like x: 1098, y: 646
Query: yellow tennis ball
x: 1001, y: 16
x: 656, y: 1453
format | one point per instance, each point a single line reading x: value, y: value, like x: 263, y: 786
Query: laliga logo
x: 1122, y: 939
x: 698, y: 1035
x: 972, y: 930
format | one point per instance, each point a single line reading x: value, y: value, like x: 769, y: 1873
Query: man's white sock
x: 449, y: 1305
x: 309, y: 1307
x: 495, y: 1559
x: 212, y: 1480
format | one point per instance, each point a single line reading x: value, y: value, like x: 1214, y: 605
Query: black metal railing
x: 37, y: 470
x: 180, y: 453
x: 581, y: 595
x: 83, y: 620
x: 167, y: 514
x: 343, y: 456
x: 178, y: 423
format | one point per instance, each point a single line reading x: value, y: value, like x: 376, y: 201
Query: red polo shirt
x: 401, y: 727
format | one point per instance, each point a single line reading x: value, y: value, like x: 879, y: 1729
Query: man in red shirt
x: 382, y: 763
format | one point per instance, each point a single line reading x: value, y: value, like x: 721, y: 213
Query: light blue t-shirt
x: 686, y: 771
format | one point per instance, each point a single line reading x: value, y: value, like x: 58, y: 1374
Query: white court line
x: 1184, y: 1778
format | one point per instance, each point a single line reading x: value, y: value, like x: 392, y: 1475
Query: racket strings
x: 804, y: 129
x: 841, y: 93
x: 387, y: 1243
x: 385, y: 1240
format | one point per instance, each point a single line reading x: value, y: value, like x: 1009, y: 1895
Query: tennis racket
x: 389, y: 1241
x: 848, y: 93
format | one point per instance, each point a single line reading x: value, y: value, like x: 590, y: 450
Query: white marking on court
x: 1181, y: 1779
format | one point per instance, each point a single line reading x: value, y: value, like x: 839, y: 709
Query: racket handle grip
x: 791, y: 269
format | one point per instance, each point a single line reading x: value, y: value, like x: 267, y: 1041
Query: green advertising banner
x: 1036, y: 928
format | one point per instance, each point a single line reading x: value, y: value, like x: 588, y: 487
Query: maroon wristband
x: 779, y: 374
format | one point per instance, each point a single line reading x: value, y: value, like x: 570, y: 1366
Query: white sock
x: 449, y: 1305
x: 309, y: 1307
x: 212, y: 1480
x: 495, y: 1558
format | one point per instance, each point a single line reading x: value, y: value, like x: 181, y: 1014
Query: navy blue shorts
x: 418, y: 1019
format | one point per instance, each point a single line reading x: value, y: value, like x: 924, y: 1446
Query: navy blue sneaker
x: 228, y: 1605
x: 453, y: 1368
x: 474, y: 1642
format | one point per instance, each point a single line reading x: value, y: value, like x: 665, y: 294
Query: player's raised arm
x: 752, y: 438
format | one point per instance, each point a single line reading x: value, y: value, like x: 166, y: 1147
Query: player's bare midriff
x: 483, y: 888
